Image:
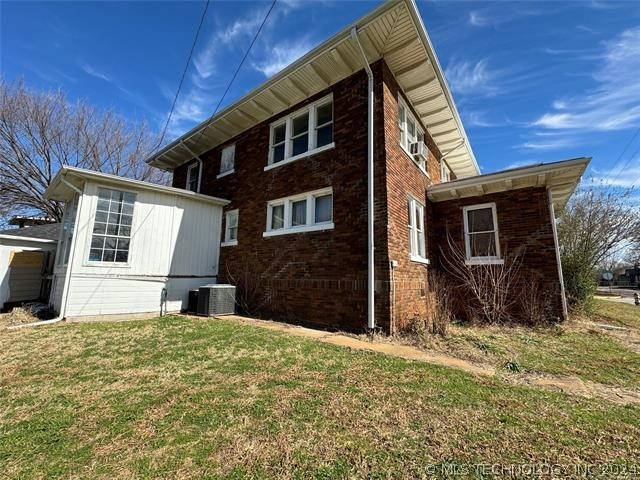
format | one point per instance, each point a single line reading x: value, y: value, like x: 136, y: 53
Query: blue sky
x: 533, y: 81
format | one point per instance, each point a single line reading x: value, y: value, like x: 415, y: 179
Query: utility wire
x: 235, y: 74
x: 184, y: 73
x: 622, y: 154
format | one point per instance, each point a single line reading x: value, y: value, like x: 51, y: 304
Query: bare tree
x: 596, y: 225
x: 41, y: 131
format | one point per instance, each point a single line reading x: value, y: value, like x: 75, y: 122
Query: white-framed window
x: 193, y: 177
x: 481, y: 240
x: 306, y: 212
x: 417, y: 249
x: 302, y: 133
x: 231, y: 228
x: 445, y: 173
x: 68, y: 225
x: 227, y: 160
x: 410, y: 131
x: 112, y: 224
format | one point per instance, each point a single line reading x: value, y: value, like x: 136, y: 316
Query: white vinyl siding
x: 481, y: 234
x: 417, y: 248
x: 302, y: 133
x: 305, y: 212
x: 68, y: 224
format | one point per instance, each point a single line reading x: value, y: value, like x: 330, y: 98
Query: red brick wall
x: 405, y: 178
x: 524, y: 229
x: 313, y: 277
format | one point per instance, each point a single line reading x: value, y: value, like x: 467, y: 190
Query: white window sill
x: 410, y: 155
x: 306, y: 228
x: 89, y: 263
x: 417, y: 259
x: 300, y: 157
x: 224, y: 174
x: 230, y: 243
x: 485, y: 261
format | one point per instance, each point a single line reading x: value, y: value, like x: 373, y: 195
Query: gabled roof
x: 63, y: 185
x: 46, y: 233
x: 560, y: 177
x: 394, y: 31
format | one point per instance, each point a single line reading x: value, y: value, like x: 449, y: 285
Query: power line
x: 625, y: 151
x: 184, y: 72
x: 235, y: 74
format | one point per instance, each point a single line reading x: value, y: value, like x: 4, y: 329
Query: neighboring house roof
x: 560, y: 177
x: 39, y: 233
x: 394, y: 31
x: 69, y: 180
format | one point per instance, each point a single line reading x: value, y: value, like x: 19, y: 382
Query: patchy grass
x: 186, y: 398
x: 618, y: 313
x: 573, y: 349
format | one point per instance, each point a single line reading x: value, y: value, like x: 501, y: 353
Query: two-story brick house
x: 348, y: 175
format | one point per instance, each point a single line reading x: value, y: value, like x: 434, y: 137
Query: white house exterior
x: 126, y: 246
x: 24, y: 255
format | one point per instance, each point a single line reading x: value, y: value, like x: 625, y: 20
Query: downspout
x: 565, y: 310
x: 67, y: 273
x: 371, y: 319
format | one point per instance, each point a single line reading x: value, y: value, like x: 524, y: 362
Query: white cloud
x: 477, y: 19
x: 614, y: 103
x: 617, y: 177
x: 468, y: 77
x: 89, y: 70
x: 498, y: 14
x: 279, y: 56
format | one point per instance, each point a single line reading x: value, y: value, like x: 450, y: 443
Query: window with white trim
x: 416, y: 230
x: 231, y: 228
x: 300, y: 213
x: 227, y: 160
x: 303, y: 132
x: 410, y: 131
x: 193, y: 177
x: 112, y: 226
x: 445, y: 173
x: 481, y: 233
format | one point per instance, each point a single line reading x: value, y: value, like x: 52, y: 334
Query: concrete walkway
x: 566, y: 384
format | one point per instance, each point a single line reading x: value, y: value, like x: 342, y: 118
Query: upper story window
x: 300, y: 213
x: 227, y: 160
x: 193, y: 177
x: 231, y: 228
x: 112, y: 226
x: 416, y: 231
x: 410, y: 132
x: 481, y: 234
x: 445, y: 173
x: 302, y: 133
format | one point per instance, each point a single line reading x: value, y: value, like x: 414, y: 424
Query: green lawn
x: 188, y: 398
x: 576, y: 349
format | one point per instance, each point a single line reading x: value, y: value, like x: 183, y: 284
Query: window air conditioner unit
x: 419, y: 151
x: 216, y: 299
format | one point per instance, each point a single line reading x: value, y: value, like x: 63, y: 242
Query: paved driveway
x: 626, y: 294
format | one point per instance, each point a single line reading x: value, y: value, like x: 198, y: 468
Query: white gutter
x: 67, y: 275
x: 371, y: 319
x: 25, y: 239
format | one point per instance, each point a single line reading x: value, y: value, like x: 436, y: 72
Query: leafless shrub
x: 534, y: 302
x: 488, y: 290
x: 438, y: 307
x: 252, y: 292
